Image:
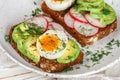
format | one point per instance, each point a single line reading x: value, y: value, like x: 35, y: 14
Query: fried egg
x: 59, y: 5
x: 52, y: 44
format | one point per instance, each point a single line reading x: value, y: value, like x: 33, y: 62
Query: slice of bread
x: 83, y: 40
x: 46, y: 64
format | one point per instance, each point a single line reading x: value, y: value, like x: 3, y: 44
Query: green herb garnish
x: 76, y: 6
x: 36, y: 12
x: 81, y: 62
x: 63, y: 44
x: 88, y: 52
x: 34, y: 29
x: 112, y: 43
x: 108, y: 47
x: 96, y: 57
x: 68, y: 69
x: 105, y: 52
x: 35, y: 3
x: 106, y: 11
x: 99, y: 54
x: 77, y: 67
x: 7, y: 39
x: 117, y: 43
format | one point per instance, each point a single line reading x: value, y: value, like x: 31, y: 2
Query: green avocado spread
x: 98, y: 9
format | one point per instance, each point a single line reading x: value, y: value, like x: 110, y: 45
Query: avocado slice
x: 24, y: 27
x: 90, y: 2
x: 94, y: 6
x: 89, y: 8
x: 71, y: 53
x: 25, y: 36
x: 30, y: 49
x: 20, y: 46
x: 107, y: 15
x: 18, y: 32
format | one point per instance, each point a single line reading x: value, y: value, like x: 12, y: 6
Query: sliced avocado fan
x: 25, y: 37
x: 31, y: 49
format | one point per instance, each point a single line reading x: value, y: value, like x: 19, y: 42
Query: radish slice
x: 40, y: 21
x: 48, y: 19
x: 94, y: 22
x: 85, y: 29
x: 68, y: 20
x: 77, y: 16
x: 55, y: 26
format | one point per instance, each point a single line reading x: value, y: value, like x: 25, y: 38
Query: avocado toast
x: 87, y: 21
x: 33, y: 35
x: 44, y: 42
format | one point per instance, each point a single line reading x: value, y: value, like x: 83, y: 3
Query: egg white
x: 59, y: 6
x: 55, y: 54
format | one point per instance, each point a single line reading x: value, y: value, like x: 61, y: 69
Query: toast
x: 46, y: 64
x: 58, y: 16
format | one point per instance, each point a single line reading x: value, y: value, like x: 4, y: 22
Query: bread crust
x: 46, y: 64
x: 83, y: 40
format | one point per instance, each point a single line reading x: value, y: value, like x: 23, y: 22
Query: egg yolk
x: 59, y: 0
x: 49, y: 42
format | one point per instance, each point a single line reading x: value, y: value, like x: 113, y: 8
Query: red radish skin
x: 46, y: 26
x: 85, y: 29
x: 68, y: 20
x: 77, y: 16
x: 50, y: 27
x: 48, y: 19
x: 55, y: 26
x: 94, y: 22
x: 40, y: 21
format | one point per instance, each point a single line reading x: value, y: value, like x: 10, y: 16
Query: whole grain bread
x: 46, y: 64
x: 58, y: 16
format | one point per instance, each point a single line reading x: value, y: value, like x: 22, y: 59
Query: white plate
x: 13, y: 11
